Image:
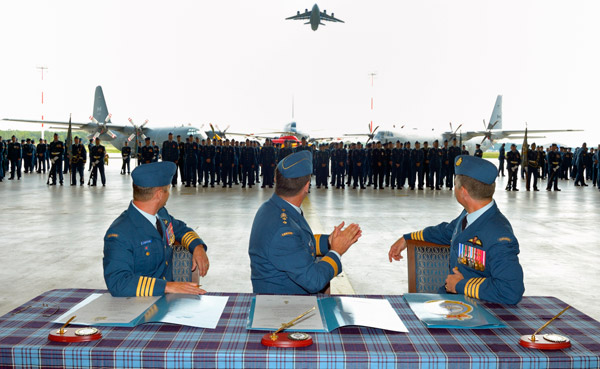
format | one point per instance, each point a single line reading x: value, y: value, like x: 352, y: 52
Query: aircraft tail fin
x: 496, y: 115
x: 100, y: 109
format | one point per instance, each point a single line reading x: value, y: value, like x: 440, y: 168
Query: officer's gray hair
x: 288, y: 187
x: 476, y: 189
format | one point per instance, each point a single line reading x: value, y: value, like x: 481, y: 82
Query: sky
x: 240, y: 63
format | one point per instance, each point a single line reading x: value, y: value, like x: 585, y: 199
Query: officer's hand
x: 453, y: 279
x: 341, y: 240
x: 200, y: 260
x: 184, y: 287
x: 396, y: 249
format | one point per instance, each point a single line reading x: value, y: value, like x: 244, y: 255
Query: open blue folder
x: 202, y: 311
x: 451, y: 311
x: 268, y: 312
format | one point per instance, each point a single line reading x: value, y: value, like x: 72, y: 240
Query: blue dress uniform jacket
x: 485, y: 253
x: 137, y: 261
x: 283, y: 252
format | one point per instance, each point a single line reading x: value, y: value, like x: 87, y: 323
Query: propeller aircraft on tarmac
x: 101, y: 126
x: 492, y: 132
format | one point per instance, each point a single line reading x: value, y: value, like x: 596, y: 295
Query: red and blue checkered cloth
x: 24, y: 341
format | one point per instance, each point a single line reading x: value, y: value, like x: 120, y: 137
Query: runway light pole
x: 42, y: 69
x: 372, y: 75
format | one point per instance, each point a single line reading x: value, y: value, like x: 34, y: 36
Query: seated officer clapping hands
x: 283, y: 250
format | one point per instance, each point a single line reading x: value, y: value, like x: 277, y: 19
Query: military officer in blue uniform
x: 14, y: 155
x: 170, y: 152
x: 501, y: 158
x: 147, y: 152
x: 41, y: 156
x: 484, y: 261
x: 191, y: 157
x: 322, y: 164
x: 267, y: 163
x: 283, y: 250
x: 56, y: 150
x: 78, y: 159
x: 28, y: 156
x: 156, y: 151
x: 247, y: 162
x: 580, y: 165
x: 359, y: 158
x: 553, y: 159
x: 138, y: 245
x: 513, y: 159
x: 98, y: 154
x: 126, y: 156
x: 209, y: 164
x: 181, y: 160
x: 435, y: 166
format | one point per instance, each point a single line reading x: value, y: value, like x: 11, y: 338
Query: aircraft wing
x: 327, y: 17
x: 305, y: 15
x: 535, y: 131
x: 75, y: 125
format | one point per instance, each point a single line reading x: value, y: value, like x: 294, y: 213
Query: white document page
x: 366, y: 312
x: 108, y: 309
x: 271, y: 311
x: 200, y: 311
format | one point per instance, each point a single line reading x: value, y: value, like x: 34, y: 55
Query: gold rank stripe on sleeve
x: 417, y: 236
x: 333, y: 264
x: 472, y: 287
x: 187, y: 238
x: 318, y: 246
x: 145, y: 287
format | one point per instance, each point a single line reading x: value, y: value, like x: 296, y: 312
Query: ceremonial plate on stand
x: 282, y: 339
x: 84, y: 334
x: 545, y: 342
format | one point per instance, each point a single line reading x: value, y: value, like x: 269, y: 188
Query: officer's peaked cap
x: 154, y: 174
x: 296, y: 165
x: 476, y: 168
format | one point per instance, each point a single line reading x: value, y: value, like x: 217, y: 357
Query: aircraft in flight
x: 485, y: 138
x: 101, y: 126
x: 315, y: 16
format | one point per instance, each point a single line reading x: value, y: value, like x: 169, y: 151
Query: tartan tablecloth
x: 24, y: 342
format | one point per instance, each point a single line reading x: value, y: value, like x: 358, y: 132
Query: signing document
x: 201, y: 311
x: 269, y: 312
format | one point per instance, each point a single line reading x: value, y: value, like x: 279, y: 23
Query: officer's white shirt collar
x: 476, y: 214
x: 151, y: 218
x: 295, y: 207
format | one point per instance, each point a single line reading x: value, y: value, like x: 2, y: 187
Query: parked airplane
x: 101, y: 126
x: 492, y: 132
x: 315, y: 17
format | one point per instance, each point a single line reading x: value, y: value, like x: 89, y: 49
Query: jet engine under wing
x: 331, y: 18
x: 305, y: 15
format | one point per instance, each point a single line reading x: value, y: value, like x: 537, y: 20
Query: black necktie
x: 159, y: 227
x: 301, y: 212
x: 464, y: 223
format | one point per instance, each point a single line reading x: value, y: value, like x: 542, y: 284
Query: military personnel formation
x: 206, y: 162
x: 55, y: 157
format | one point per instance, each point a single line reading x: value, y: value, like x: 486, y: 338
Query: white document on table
x: 271, y: 311
x: 202, y: 311
x: 98, y: 309
x: 365, y: 312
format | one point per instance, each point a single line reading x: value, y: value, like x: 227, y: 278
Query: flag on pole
x: 524, y: 149
x: 68, y: 144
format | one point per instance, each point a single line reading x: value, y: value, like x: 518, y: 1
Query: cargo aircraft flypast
x: 101, y: 126
x: 315, y: 16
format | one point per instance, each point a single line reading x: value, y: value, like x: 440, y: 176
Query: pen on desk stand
x: 198, y: 270
x: 62, y: 329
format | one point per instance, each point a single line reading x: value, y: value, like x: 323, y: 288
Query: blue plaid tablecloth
x: 24, y: 341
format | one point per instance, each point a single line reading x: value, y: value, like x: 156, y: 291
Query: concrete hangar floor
x: 52, y: 237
